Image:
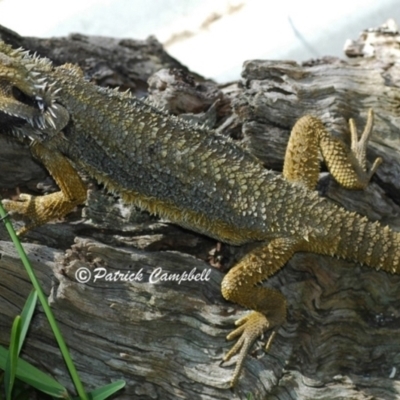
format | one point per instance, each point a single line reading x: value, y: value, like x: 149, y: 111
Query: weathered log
x: 166, y: 339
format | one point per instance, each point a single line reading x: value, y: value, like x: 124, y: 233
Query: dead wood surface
x: 167, y: 339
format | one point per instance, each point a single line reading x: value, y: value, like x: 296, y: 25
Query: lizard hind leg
x: 268, y: 305
x: 347, y: 165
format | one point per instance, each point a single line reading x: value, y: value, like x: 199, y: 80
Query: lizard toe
x: 250, y: 328
x: 19, y: 206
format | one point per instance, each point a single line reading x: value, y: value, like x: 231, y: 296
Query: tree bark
x: 165, y: 338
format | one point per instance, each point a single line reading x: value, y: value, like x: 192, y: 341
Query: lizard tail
x: 370, y: 244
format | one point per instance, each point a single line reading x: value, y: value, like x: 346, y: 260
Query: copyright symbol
x: 83, y: 275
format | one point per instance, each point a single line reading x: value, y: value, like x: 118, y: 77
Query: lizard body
x: 195, y: 178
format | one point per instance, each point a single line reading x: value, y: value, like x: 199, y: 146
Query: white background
x: 212, y: 37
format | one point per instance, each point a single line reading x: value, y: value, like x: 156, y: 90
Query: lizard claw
x: 250, y: 327
x: 18, y: 206
x: 37, y: 210
x: 359, y: 146
x: 22, y: 206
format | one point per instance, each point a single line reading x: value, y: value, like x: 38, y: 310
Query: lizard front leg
x: 347, y: 165
x: 41, y: 209
x: 268, y: 305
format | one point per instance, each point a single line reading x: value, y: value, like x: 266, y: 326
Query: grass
x: 18, y: 370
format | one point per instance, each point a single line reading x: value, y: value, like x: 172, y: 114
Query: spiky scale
x: 144, y: 155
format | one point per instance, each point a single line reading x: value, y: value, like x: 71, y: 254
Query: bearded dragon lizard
x: 193, y: 177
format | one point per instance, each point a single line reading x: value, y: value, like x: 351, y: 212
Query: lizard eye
x: 20, y: 96
x: 37, y: 101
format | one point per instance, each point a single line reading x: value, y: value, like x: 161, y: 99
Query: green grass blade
x: 12, y: 359
x: 34, y: 377
x: 106, y: 391
x: 46, y: 308
x: 26, y: 316
x: 18, y: 333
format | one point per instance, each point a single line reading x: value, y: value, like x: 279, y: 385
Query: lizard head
x: 28, y: 101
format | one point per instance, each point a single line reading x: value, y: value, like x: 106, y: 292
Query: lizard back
x: 173, y: 168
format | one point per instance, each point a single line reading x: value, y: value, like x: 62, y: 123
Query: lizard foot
x: 250, y: 327
x: 24, y: 206
x: 359, y: 146
x: 38, y: 209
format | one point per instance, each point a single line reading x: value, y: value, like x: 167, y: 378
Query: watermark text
x: 84, y: 275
